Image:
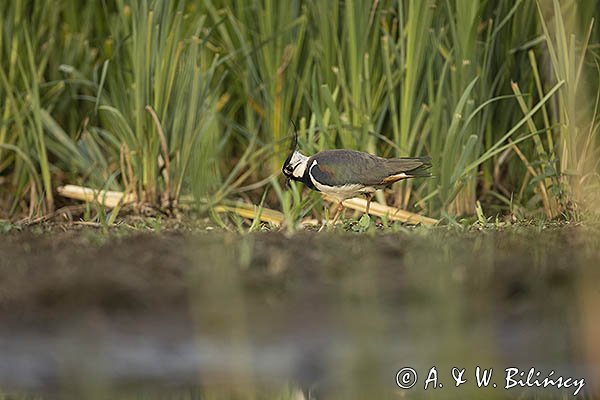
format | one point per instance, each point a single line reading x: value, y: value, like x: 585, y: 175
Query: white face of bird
x: 295, y: 165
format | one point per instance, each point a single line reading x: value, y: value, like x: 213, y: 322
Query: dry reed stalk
x: 251, y: 211
x: 532, y: 171
x: 165, y: 151
x: 380, y: 210
x: 112, y: 199
x: 107, y: 198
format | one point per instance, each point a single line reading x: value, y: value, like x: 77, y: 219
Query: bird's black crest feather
x: 294, y: 144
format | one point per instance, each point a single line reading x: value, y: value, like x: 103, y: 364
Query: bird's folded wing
x: 342, y: 171
x: 341, y: 167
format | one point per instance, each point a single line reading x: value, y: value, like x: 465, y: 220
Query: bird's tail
x: 421, y: 171
x: 406, y: 167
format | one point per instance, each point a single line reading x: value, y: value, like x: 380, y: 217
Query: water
x: 267, y: 316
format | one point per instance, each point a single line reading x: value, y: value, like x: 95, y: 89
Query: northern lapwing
x: 344, y: 174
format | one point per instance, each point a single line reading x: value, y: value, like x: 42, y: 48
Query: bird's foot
x: 340, y: 208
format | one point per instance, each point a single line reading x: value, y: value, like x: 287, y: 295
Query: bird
x: 343, y: 174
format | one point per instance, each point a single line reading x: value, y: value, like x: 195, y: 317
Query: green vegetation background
x: 167, y: 99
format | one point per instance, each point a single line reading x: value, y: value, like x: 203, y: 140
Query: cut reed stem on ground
x: 106, y: 198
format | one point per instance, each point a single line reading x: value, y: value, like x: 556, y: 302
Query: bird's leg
x: 340, y: 207
x: 369, y: 197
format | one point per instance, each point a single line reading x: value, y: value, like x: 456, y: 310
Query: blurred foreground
x: 267, y: 317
